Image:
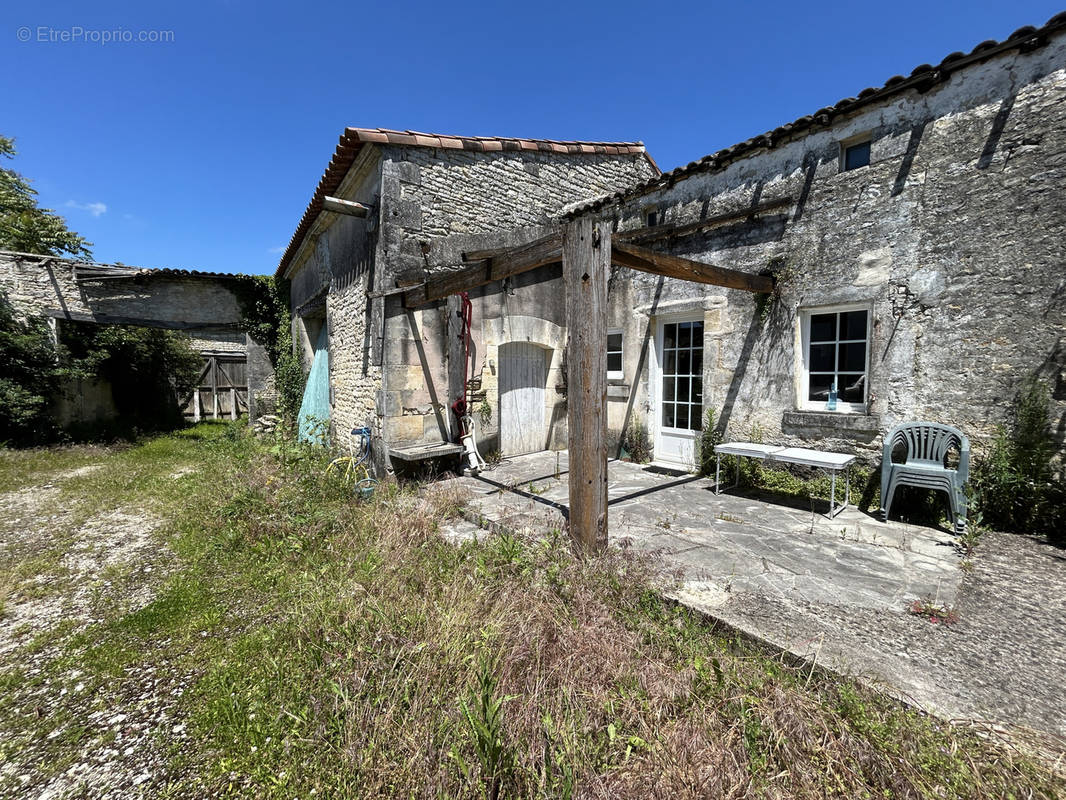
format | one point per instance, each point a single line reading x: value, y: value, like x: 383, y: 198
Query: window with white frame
x: 835, y: 358
x: 614, y: 355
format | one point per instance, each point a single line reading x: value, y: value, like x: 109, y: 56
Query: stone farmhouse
x: 898, y: 255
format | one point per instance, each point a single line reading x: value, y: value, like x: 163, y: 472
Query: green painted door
x: 315, y: 408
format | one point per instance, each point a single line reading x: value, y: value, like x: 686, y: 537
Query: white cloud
x: 96, y: 209
x: 276, y: 250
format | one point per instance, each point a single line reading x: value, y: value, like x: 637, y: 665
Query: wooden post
x: 232, y: 403
x: 586, y: 259
x: 196, y: 404
x: 214, y: 389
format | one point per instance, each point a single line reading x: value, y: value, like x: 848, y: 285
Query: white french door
x: 678, y: 391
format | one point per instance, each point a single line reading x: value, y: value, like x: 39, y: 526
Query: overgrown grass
x: 347, y: 649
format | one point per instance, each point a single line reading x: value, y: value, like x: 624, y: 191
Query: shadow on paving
x: 835, y: 592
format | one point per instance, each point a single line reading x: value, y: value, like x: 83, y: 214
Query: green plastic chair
x: 925, y: 465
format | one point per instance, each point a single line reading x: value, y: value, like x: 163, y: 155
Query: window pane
x: 852, y: 357
x: 697, y: 390
x: 697, y: 362
x: 668, y: 415
x: 670, y: 335
x: 682, y: 415
x: 695, y: 419
x: 697, y: 334
x: 614, y: 362
x: 822, y: 357
x: 682, y: 390
x: 823, y: 327
x: 684, y: 362
x: 614, y: 342
x: 684, y: 334
x: 670, y: 362
x: 858, y: 155
x: 853, y: 325
x: 819, y: 387
x: 851, y: 388
x: 668, y: 388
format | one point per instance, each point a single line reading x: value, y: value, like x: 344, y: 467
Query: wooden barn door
x: 522, y: 378
x: 223, y: 388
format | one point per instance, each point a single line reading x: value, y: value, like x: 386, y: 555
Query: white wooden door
x: 522, y: 379
x: 678, y: 391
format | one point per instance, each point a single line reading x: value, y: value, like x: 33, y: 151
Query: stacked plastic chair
x: 925, y: 465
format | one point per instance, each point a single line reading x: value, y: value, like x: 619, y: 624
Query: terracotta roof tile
x: 352, y: 140
x: 922, y: 78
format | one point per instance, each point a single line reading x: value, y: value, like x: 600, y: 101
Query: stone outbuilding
x: 205, y: 306
x: 409, y: 205
x: 915, y: 234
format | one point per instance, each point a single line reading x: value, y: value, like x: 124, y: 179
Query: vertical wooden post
x: 586, y: 261
x: 214, y: 389
x: 232, y: 403
x: 196, y: 404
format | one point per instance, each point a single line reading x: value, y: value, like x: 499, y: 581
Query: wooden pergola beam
x: 487, y: 266
x: 645, y: 260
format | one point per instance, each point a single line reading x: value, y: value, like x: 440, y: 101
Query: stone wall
x: 436, y: 203
x: 954, y: 237
x: 43, y: 284
x: 202, y: 305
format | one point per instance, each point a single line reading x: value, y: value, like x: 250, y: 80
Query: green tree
x: 24, y: 226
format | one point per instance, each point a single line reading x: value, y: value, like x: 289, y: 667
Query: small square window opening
x: 856, y: 155
x: 651, y: 217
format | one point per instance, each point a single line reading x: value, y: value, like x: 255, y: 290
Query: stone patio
x: 834, y: 592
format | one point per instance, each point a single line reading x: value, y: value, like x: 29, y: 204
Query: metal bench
x: 831, y: 462
x: 927, y: 445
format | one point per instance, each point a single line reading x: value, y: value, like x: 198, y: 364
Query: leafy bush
x: 1013, y: 482
x: 637, y: 443
x: 149, y: 369
x: 709, y: 437
x: 29, y: 376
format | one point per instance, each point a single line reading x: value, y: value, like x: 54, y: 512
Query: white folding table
x: 822, y: 459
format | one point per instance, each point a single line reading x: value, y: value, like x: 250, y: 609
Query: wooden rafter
x: 487, y: 266
x: 658, y: 232
x: 645, y: 260
x: 349, y: 207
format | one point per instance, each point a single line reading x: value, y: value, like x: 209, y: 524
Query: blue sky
x: 203, y: 151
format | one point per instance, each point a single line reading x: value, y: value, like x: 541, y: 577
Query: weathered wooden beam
x: 645, y: 260
x: 113, y: 319
x: 673, y: 231
x: 349, y: 207
x: 586, y: 254
x: 513, y: 261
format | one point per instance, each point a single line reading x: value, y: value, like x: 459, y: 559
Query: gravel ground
x: 70, y: 732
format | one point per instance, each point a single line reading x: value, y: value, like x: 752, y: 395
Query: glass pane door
x: 682, y: 376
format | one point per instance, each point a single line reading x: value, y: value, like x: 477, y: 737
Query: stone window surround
x: 801, y: 372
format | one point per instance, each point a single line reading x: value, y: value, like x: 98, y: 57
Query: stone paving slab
x: 832, y: 591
